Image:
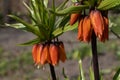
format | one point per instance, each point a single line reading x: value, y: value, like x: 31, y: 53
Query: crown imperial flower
x: 96, y: 22
x: 50, y: 53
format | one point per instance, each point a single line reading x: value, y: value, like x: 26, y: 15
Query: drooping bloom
x: 100, y: 24
x: 80, y: 30
x: 96, y: 22
x: 106, y: 30
x: 62, y: 55
x: 74, y: 17
x: 45, y: 56
x: 85, y: 29
x: 54, y: 52
x: 48, y: 53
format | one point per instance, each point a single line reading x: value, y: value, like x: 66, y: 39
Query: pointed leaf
x: 46, y: 3
x: 72, y: 9
x: 61, y: 30
x: 31, y: 42
x: 64, y: 20
x: 108, y: 4
x: 29, y: 27
x: 91, y: 72
x: 82, y: 76
x: 117, y: 75
x: 17, y: 26
x: 61, y: 6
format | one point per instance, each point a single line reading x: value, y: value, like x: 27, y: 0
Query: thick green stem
x: 53, y: 75
x: 95, y: 57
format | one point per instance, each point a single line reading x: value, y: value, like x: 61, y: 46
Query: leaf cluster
x: 48, y: 23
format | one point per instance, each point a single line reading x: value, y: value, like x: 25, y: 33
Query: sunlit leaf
x: 74, y: 0
x: 46, y: 3
x: 108, y: 4
x: 17, y: 26
x: 82, y: 76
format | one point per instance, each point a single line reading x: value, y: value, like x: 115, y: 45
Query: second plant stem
x: 95, y: 57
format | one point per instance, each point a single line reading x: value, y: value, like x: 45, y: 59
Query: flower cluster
x: 49, y: 52
x: 96, y: 21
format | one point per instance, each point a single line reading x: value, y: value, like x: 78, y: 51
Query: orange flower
x: 74, y: 16
x: 97, y: 22
x: 39, y: 53
x: 54, y: 54
x: 48, y: 53
x: 87, y: 29
x: 34, y: 51
x: 106, y: 30
x: 45, y: 56
x: 80, y: 30
x: 62, y: 55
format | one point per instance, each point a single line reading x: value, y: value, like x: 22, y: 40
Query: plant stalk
x: 53, y: 75
x: 95, y: 57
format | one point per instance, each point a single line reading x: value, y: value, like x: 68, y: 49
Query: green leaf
x: 108, y: 4
x: 61, y: 30
x: 17, y: 26
x: 31, y: 42
x: 72, y: 9
x: 46, y: 3
x: 62, y: 6
x: 74, y: 0
x: 63, y: 72
x: 64, y: 21
x: 81, y: 77
x: 91, y: 73
x: 117, y: 75
x: 29, y: 27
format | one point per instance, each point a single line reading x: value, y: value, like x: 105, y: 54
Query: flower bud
x: 73, y: 18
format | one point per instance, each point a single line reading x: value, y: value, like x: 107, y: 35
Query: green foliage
x: 116, y: 22
x: 81, y: 75
x: 45, y: 25
x: 71, y: 9
x: 91, y: 73
x: 117, y: 75
x: 108, y: 4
